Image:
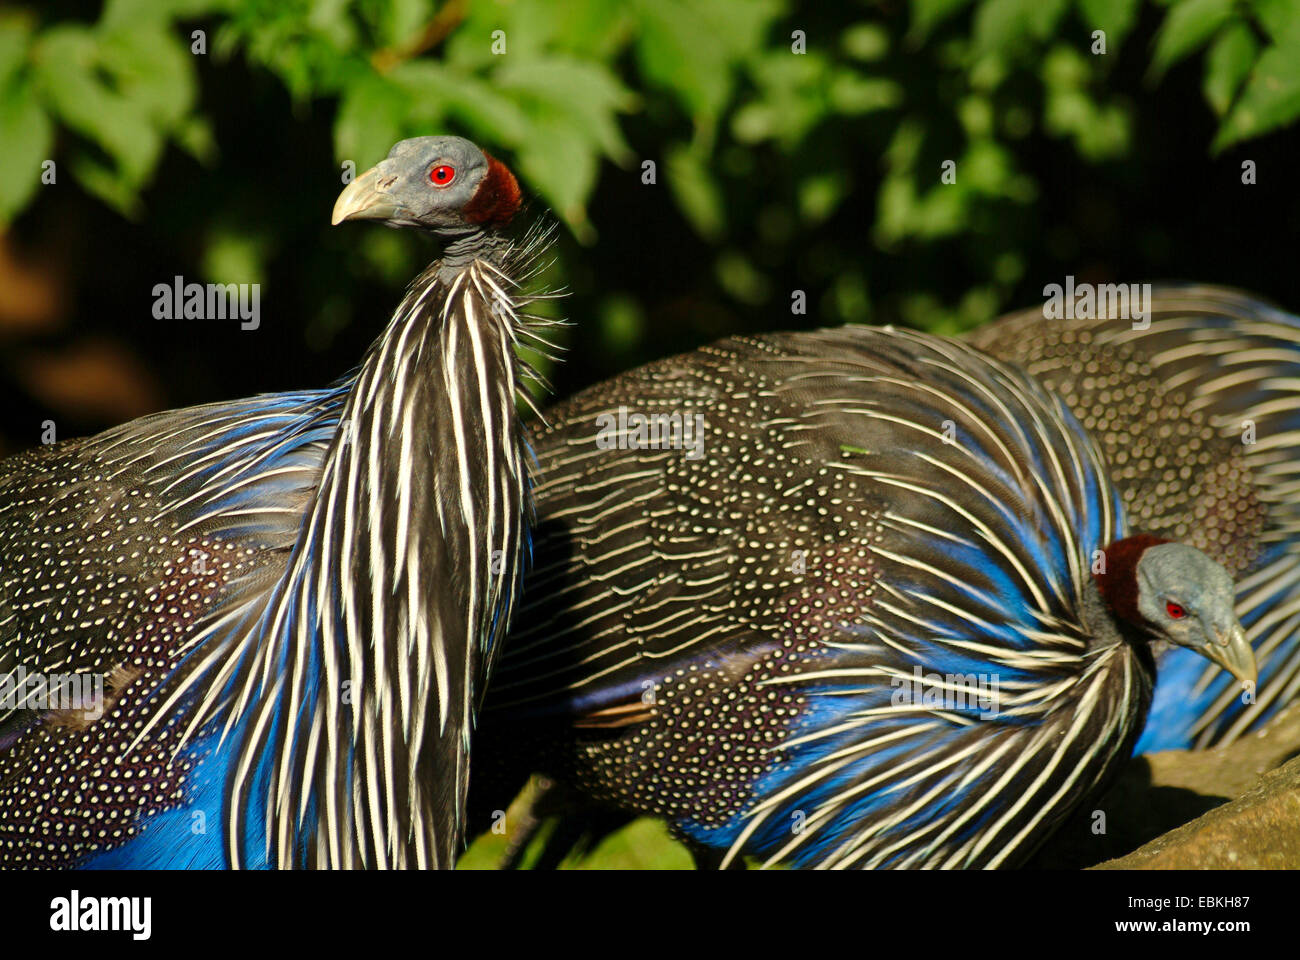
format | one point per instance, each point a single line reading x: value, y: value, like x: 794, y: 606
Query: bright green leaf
x: 741, y: 279
x: 561, y: 163
x: 402, y: 20
x: 865, y: 41
x: 1187, y: 27
x: 690, y: 179
x: 1064, y: 68
x: 1270, y: 100
x: 587, y: 92
x: 67, y: 69
x: 370, y: 118
x: 132, y: 13
x: 794, y: 98
x: 976, y: 115
x: 233, y: 256
x: 153, y: 69
x: 1281, y: 18
x: 26, y: 136
x: 1115, y: 17
x: 1004, y: 25
x: 821, y: 195
x: 195, y: 137
x: 1227, y: 63
x: 107, y: 183
x: 15, y: 42
x: 679, y: 51
x: 853, y: 94
x: 928, y: 14
x: 493, y: 114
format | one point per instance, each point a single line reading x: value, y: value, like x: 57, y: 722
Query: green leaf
x: 821, y: 194
x: 107, y: 183
x: 1003, y: 25
x: 26, y: 137
x: 1281, y: 18
x: 234, y: 257
x: 691, y: 181
x: 67, y: 71
x: 1271, y: 98
x: 865, y: 41
x: 1065, y: 68
x: 370, y: 118
x: 741, y: 279
x: 195, y: 137
x: 15, y: 42
x: 851, y: 94
x: 561, y: 165
x: 493, y: 115
x: 153, y: 69
x: 1187, y: 27
x: 679, y: 50
x: 986, y: 167
x: 928, y: 14
x: 588, y: 92
x: 331, y: 21
x: 132, y: 13
x: 486, y: 112
x: 794, y: 98
x: 401, y: 20
x: 692, y: 49
x: 1227, y: 63
x: 1116, y: 17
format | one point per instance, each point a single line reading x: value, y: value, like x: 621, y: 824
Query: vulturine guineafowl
x: 854, y: 598
x: 1196, y: 406
x: 294, y: 598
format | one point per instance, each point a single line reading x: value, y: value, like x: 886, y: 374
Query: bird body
x: 869, y: 626
x: 1197, y: 410
x: 294, y: 598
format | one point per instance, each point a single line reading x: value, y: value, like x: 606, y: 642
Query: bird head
x: 443, y: 184
x: 1177, y: 594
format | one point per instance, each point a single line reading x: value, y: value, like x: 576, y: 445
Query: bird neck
x: 463, y: 248
x: 419, y: 521
x: 1117, y: 578
x: 433, y: 410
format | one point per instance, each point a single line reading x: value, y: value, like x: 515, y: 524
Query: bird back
x: 730, y: 633
x: 1197, y: 409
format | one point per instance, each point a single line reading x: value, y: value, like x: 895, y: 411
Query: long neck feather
x: 356, y: 681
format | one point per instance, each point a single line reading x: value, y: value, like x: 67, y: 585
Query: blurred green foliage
x: 644, y: 844
x: 552, y: 84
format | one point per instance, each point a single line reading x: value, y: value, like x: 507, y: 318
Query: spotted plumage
x: 732, y: 641
x: 295, y: 598
x: 1197, y: 410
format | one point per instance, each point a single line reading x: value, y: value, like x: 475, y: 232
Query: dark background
x: 79, y: 344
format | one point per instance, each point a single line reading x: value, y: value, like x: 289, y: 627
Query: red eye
x: 1174, y: 610
x: 442, y: 175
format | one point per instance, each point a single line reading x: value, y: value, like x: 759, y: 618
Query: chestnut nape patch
x: 497, y: 198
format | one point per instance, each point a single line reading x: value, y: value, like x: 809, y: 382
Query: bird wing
x: 122, y: 555
x: 1197, y: 408
x: 131, y: 504
x: 725, y: 624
